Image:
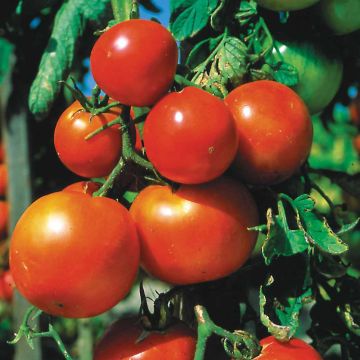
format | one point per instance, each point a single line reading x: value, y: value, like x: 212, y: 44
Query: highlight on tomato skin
x: 294, y: 349
x: 275, y: 131
x: 73, y: 255
x: 94, y: 157
x: 135, y: 61
x: 197, y: 233
x: 121, y: 342
x: 190, y: 136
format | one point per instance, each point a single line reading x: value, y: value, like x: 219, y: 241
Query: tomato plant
x: 120, y: 68
x: 173, y: 228
x: 295, y: 349
x: 356, y: 143
x: 341, y: 15
x: 94, y: 157
x: 274, y: 128
x: 286, y: 5
x: 2, y: 152
x: 3, y: 179
x: 89, y: 241
x: 85, y: 187
x: 4, y: 217
x: 319, y: 70
x: 122, y: 341
x: 190, y: 136
x: 8, y: 285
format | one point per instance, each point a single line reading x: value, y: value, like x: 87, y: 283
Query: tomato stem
x: 124, y: 9
x: 100, y: 129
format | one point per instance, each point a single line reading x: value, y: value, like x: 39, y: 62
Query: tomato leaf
x: 348, y: 227
x: 317, y: 230
x: 247, y: 10
x: 280, y: 240
x: 188, y: 17
x: 58, y: 56
x: 6, y: 50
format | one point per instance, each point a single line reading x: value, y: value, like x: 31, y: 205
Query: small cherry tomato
x: 73, y: 255
x: 123, y: 341
x: 190, y: 136
x: 3, y: 179
x: 8, y: 285
x: 197, y: 233
x: 95, y: 157
x: 286, y: 5
x: 295, y: 349
x: 4, y: 217
x: 274, y: 128
x: 135, y: 61
x: 85, y: 187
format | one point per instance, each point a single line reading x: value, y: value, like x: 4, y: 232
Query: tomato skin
x: 4, y: 217
x: 183, y: 233
x: 8, y: 285
x: 275, y: 131
x: 95, y: 157
x: 2, y: 152
x: 120, y: 342
x: 286, y: 5
x: 73, y: 255
x: 320, y: 73
x: 3, y: 179
x: 295, y: 349
x: 342, y: 16
x: 84, y: 187
x: 135, y: 61
x: 190, y: 136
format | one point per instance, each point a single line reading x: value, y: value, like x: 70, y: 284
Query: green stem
x: 105, y: 108
x: 181, y: 80
x: 100, y: 129
x: 123, y: 9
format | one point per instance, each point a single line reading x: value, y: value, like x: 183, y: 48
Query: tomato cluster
x: 194, y: 228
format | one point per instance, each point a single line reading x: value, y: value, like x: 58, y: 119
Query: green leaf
x: 349, y: 183
x: 58, y: 57
x: 317, y: 230
x: 188, y: 17
x: 280, y: 240
x: 201, y: 51
x: 247, y: 11
x: 348, y: 227
x: 285, y: 74
x: 130, y: 196
x: 6, y: 50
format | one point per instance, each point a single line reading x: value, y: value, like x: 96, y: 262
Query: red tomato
x: 85, y: 187
x: 73, y: 255
x: 4, y: 217
x: 8, y: 285
x: 3, y: 179
x: 190, y: 136
x: 135, y: 61
x: 295, y: 349
x: 197, y: 233
x: 354, y: 110
x: 95, y: 157
x: 2, y: 152
x: 286, y: 5
x: 121, y: 342
x: 275, y: 131
x: 356, y: 143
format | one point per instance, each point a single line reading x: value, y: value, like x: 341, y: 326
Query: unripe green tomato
x: 286, y: 5
x: 319, y: 74
x: 342, y: 16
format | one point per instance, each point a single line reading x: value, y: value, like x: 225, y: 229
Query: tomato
x: 135, y: 61
x: 286, y: 5
x: 275, y: 131
x: 73, y: 255
x: 356, y: 143
x: 85, y: 187
x: 4, y: 217
x: 354, y: 111
x: 8, y: 285
x: 190, y: 136
x: 3, y: 179
x: 2, y: 152
x: 121, y: 342
x: 197, y: 233
x: 295, y: 349
x: 342, y: 16
x: 95, y: 157
x: 319, y: 69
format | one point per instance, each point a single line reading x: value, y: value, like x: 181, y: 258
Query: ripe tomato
x: 4, y: 217
x: 135, y: 61
x: 2, y: 152
x: 197, y: 233
x: 73, y: 255
x: 275, y: 131
x: 3, y: 179
x: 85, y: 187
x: 286, y: 5
x: 356, y: 143
x: 295, y: 349
x: 8, y: 285
x: 319, y: 70
x: 95, y: 157
x: 121, y: 342
x: 342, y: 16
x: 190, y: 136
